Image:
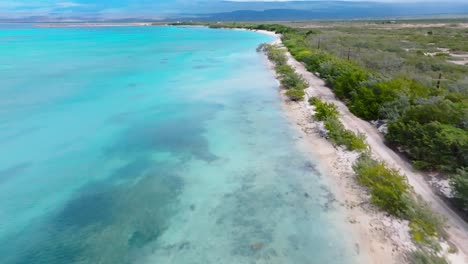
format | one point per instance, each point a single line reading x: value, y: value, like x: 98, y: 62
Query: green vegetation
x: 431, y: 146
x: 459, y: 182
x: 323, y: 111
x: 343, y: 137
x: 424, y: 257
x: 384, y: 72
x: 295, y: 95
x: 428, y: 117
x: 429, y: 123
x: 389, y: 190
x: 337, y: 133
x: 391, y: 193
x: 387, y: 187
x: 290, y: 80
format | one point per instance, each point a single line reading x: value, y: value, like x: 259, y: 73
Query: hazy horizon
x: 164, y: 9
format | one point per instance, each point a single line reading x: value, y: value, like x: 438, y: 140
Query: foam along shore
x: 378, y: 237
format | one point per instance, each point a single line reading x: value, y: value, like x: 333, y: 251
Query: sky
x: 146, y: 8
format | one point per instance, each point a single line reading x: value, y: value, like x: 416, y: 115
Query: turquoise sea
x: 153, y: 145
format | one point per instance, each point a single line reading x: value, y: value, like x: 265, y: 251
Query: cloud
x: 69, y: 4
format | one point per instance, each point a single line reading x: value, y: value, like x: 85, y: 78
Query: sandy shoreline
x: 378, y: 238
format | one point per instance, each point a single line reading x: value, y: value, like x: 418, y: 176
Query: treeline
x: 428, y: 123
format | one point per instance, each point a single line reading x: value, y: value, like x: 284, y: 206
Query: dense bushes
x: 433, y: 134
x: 437, y: 109
x: 432, y: 145
x: 373, y: 98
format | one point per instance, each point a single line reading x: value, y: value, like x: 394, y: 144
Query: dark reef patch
x: 51, y: 253
x: 88, y: 208
x: 106, y: 222
x: 134, y: 169
x: 176, y: 128
x: 179, y: 136
x: 13, y: 171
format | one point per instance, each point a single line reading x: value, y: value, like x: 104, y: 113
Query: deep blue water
x: 153, y: 145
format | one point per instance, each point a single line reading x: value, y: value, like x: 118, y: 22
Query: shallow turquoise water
x: 153, y: 145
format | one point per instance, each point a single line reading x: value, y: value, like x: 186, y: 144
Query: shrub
x: 323, y: 110
x: 284, y: 69
x: 343, y: 137
x: 295, y: 94
x: 424, y: 223
x: 387, y: 187
x: 293, y: 81
x: 338, y: 135
x: 393, y: 110
x: 390, y: 192
x: 274, y: 54
x: 315, y: 59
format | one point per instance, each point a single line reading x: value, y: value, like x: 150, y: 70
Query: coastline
x: 369, y: 229
x: 381, y: 238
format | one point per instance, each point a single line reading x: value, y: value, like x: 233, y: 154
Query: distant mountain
x: 278, y: 10
x: 338, y: 10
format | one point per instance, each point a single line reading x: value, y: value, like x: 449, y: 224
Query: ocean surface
x: 153, y: 145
